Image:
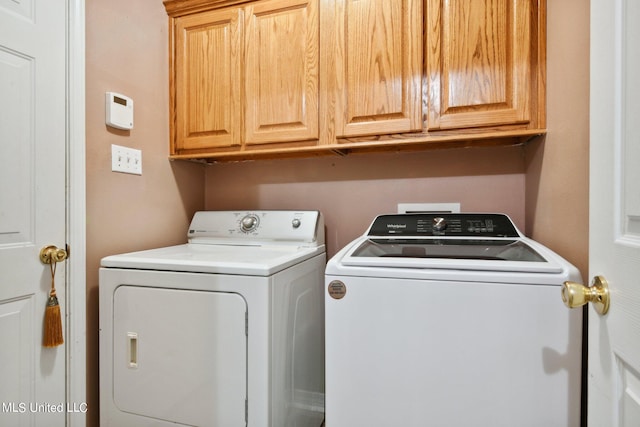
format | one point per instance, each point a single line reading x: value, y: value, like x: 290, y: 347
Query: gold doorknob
x: 576, y: 294
x: 52, y: 254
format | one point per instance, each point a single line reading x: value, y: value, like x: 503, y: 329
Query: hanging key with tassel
x: 52, y: 336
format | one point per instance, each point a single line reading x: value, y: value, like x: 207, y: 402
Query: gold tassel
x: 52, y: 317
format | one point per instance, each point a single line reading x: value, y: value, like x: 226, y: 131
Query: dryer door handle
x: 132, y: 339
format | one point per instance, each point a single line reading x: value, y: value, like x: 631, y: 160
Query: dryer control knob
x: 295, y: 223
x: 439, y: 224
x: 249, y: 223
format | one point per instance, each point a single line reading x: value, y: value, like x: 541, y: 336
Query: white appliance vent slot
x: 428, y: 208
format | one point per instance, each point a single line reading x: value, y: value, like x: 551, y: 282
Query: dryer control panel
x: 458, y: 225
x: 257, y: 227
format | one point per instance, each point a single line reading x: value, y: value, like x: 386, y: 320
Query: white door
x: 32, y: 206
x: 614, y: 338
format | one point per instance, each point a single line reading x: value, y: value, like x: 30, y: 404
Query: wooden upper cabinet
x: 378, y: 66
x: 244, y: 75
x: 281, y: 71
x: 484, y: 63
x: 271, y: 78
x: 206, y: 93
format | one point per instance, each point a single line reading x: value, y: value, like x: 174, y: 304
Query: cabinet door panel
x: 378, y: 61
x: 479, y: 62
x: 207, y: 69
x: 281, y: 86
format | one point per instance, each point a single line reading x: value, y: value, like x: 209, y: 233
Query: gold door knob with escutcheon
x: 52, y: 254
x: 576, y: 294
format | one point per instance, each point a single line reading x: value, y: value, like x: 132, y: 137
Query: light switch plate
x: 126, y: 160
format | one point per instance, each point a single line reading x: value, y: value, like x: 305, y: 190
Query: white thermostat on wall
x: 119, y: 111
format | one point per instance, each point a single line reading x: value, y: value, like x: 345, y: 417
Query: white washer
x: 450, y: 320
x: 226, y: 330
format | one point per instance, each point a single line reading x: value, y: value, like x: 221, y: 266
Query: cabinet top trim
x: 176, y: 8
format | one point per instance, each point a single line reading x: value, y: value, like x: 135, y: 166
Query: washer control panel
x: 459, y: 225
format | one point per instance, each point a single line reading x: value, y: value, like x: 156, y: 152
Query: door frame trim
x: 76, y: 302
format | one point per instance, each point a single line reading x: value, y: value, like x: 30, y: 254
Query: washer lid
x: 259, y: 260
x: 503, y: 254
x: 467, y: 249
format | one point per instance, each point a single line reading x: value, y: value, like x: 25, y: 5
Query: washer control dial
x: 249, y: 223
x: 439, y: 224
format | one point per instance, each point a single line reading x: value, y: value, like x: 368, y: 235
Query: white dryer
x: 450, y: 320
x: 224, y: 331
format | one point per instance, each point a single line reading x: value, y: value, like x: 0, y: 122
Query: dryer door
x: 180, y: 355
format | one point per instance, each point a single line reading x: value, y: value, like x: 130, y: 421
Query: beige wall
x: 350, y: 191
x: 127, y: 53
x: 542, y: 186
x: 557, y: 174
